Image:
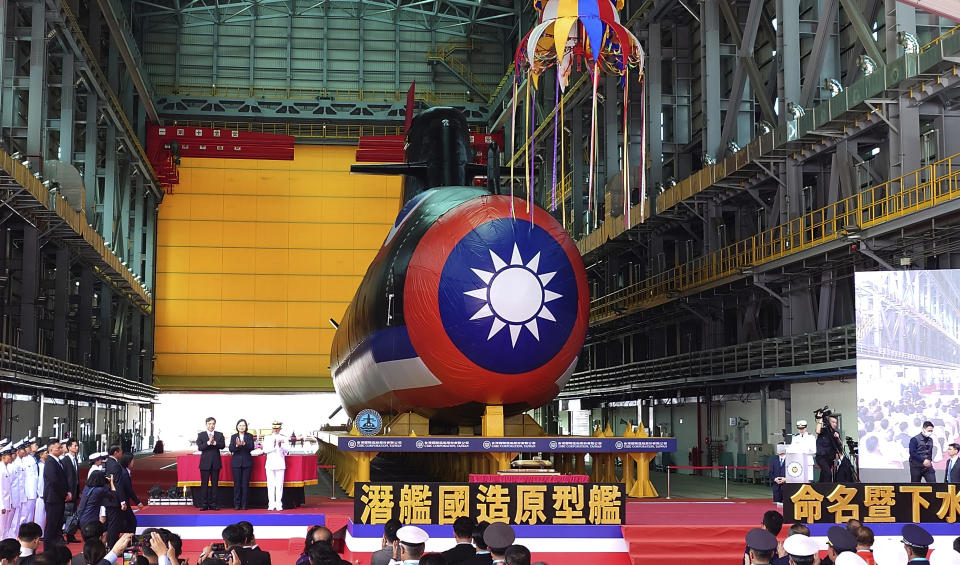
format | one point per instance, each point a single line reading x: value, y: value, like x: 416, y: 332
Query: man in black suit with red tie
x: 209, y: 442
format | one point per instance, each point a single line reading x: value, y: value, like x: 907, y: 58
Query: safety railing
x: 832, y: 348
x: 445, y: 54
x: 726, y: 474
x: 940, y: 38
x: 310, y: 94
x: 898, y: 197
x: 28, y: 368
x: 306, y: 130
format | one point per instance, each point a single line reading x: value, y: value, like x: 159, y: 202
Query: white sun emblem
x: 515, y: 295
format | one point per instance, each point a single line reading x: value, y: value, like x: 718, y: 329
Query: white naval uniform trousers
x: 274, y: 445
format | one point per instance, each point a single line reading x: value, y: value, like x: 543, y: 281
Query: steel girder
x: 462, y: 18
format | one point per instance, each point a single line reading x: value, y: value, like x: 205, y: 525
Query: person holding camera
x: 829, y: 445
x: 921, y: 455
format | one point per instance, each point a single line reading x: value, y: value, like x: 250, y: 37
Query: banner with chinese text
x: 871, y: 503
x: 513, y: 503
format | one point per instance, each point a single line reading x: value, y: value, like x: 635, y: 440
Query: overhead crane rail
x: 924, y: 188
x: 435, y: 97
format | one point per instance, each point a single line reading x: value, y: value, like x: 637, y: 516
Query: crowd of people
x: 40, y: 487
x: 887, y: 427
x: 476, y: 543
x: 402, y: 545
x: 850, y: 544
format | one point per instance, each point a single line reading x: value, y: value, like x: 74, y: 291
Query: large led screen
x: 908, y: 367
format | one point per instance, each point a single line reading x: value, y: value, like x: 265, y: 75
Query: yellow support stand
x: 642, y: 487
x: 492, y: 422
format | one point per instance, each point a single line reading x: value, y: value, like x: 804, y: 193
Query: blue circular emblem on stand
x: 369, y: 422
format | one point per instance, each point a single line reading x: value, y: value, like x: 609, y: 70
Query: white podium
x: 799, y: 467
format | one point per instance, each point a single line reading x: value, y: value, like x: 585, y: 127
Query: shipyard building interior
x: 178, y: 219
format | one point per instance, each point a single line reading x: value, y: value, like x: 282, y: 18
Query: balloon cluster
x: 573, y: 32
x: 578, y: 35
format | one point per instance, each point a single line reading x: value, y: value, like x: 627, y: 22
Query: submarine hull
x: 464, y: 306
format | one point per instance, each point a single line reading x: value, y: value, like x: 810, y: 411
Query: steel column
x: 710, y: 74
x: 150, y: 216
x: 136, y: 237
x: 61, y: 303
x: 36, y: 114
x: 577, y: 168
x: 67, y: 106
x: 85, y: 317
x: 29, y: 287
x: 788, y: 52
x: 736, y: 101
x: 611, y: 144
x: 90, y: 183
x: 105, y: 332
x: 812, y: 74
x: 654, y: 125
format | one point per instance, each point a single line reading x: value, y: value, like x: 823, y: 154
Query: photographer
x: 829, y: 445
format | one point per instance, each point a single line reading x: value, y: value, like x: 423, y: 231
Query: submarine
x: 471, y: 301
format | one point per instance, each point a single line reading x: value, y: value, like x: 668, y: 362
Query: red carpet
x: 661, y: 531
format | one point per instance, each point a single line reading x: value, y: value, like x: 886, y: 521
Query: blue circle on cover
x: 508, y: 296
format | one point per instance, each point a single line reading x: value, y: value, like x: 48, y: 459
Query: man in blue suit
x: 778, y: 472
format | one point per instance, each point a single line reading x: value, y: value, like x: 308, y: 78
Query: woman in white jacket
x: 275, y: 446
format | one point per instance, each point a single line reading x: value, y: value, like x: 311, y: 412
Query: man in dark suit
x: 389, y: 543
x: 234, y: 539
x: 463, y: 532
x: 951, y: 472
x: 209, y: 442
x: 55, y: 495
x: 71, y: 466
x: 114, y: 472
x: 778, y: 472
x: 921, y: 455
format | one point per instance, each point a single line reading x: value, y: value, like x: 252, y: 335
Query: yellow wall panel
x: 204, y: 286
x: 205, y: 260
x: 240, y: 208
x: 305, y: 262
x: 238, y: 314
x: 236, y: 340
x: 270, y: 287
x: 270, y: 314
x: 240, y: 234
x: 269, y: 261
x: 254, y: 257
x: 305, y: 315
x: 206, y: 234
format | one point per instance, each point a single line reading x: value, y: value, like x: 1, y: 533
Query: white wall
x: 178, y: 417
x: 840, y: 396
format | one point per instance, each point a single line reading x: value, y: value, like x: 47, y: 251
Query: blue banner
x: 446, y: 444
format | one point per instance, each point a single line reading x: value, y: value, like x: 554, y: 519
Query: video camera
x: 824, y: 412
x: 219, y: 551
x: 853, y: 446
